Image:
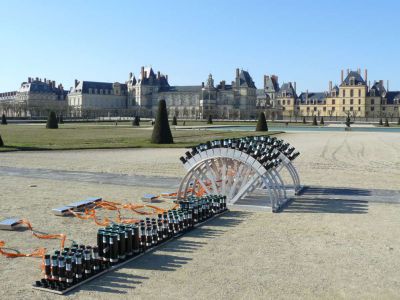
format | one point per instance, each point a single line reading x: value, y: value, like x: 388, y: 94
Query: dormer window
x: 352, y: 80
x: 372, y: 92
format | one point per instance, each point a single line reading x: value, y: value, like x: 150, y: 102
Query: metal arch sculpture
x: 236, y: 167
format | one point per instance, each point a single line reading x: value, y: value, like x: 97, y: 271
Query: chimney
x: 76, y: 82
x: 202, y: 85
x: 37, y: 78
x: 369, y: 84
x: 265, y: 80
x: 237, y: 72
x: 223, y: 84
x: 366, y: 75
x: 330, y: 86
x: 142, y: 72
x: 130, y: 75
x: 54, y: 83
x: 158, y: 74
x: 166, y: 77
x: 45, y: 80
x: 387, y: 86
x: 348, y: 71
x: 294, y: 86
x: 307, y: 97
x: 341, y: 76
x: 29, y: 79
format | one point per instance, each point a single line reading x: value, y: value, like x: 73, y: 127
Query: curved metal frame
x: 210, y: 170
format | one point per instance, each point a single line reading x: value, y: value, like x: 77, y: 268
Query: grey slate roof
x: 245, y: 79
x: 392, y: 96
x: 317, y: 98
x: 182, y: 88
x: 288, y: 89
x: 378, y: 88
x: 357, y: 78
x: 86, y: 85
x: 271, y: 85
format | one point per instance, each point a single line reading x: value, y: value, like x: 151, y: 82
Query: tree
x: 3, y: 120
x: 262, y: 123
x: 304, y: 120
x: 386, y: 122
x: 1, y: 142
x: 348, y: 122
x: 380, y: 122
x: 321, y: 122
x: 52, y: 122
x: 209, y: 121
x: 136, y: 121
x: 174, y: 121
x: 161, y: 131
x: 314, y: 121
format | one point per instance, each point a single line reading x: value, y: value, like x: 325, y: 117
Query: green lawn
x: 97, y: 136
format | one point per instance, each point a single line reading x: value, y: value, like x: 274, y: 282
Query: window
x: 283, y: 102
x: 344, y: 101
x: 372, y: 101
x: 351, y: 102
x: 344, y: 93
x: 359, y: 93
x: 333, y: 102
x: 288, y: 102
x: 383, y: 108
x: 359, y: 101
x: 351, y: 93
x: 372, y: 108
x: 315, y: 109
x: 343, y: 109
x: 359, y: 108
x: 308, y: 108
x: 333, y: 109
x: 351, y: 108
x: 324, y: 108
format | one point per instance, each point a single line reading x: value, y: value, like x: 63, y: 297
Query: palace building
x: 354, y: 97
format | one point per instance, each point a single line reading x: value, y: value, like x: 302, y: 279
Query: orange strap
x: 40, y: 252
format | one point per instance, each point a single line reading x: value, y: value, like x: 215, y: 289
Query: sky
x: 298, y: 40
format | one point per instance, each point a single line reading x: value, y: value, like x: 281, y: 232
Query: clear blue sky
x: 304, y: 41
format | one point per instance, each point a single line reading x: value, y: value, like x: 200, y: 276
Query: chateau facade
x: 35, y: 97
x: 225, y: 101
x: 353, y: 97
x: 240, y: 99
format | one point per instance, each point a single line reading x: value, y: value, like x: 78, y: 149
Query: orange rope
x: 40, y: 252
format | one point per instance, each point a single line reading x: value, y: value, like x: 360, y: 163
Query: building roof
x: 271, y: 84
x: 357, y: 78
x: 182, y: 88
x: 378, y: 89
x: 84, y: 86
x: 392, y: 96
x: 246, y: 80
x: 317, y: 98
x: 287, y: 89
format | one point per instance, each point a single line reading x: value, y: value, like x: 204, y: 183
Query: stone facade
x: 35, y: 98
x: 353, y: 97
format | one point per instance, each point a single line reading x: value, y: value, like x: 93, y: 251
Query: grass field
x: 97, y: 136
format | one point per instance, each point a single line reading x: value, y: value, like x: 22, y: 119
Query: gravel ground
x: 347, y: 249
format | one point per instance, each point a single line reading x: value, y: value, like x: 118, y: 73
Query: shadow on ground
x: 166, y: 258
x: 330, y: 200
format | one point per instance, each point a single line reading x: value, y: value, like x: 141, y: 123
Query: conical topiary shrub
x: 1, y: 142
x: 380, y: 122
x: 52, y: 122
x: 262, y: 123
x: 174, y: 121
x: 161, y: 131
x: 3, y: 120
x: 314, y: 121
x: 386, y: 122
x: 209, y: 121
x: 136, y: 121
x: 304, y: 120
x: 321, y: 122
